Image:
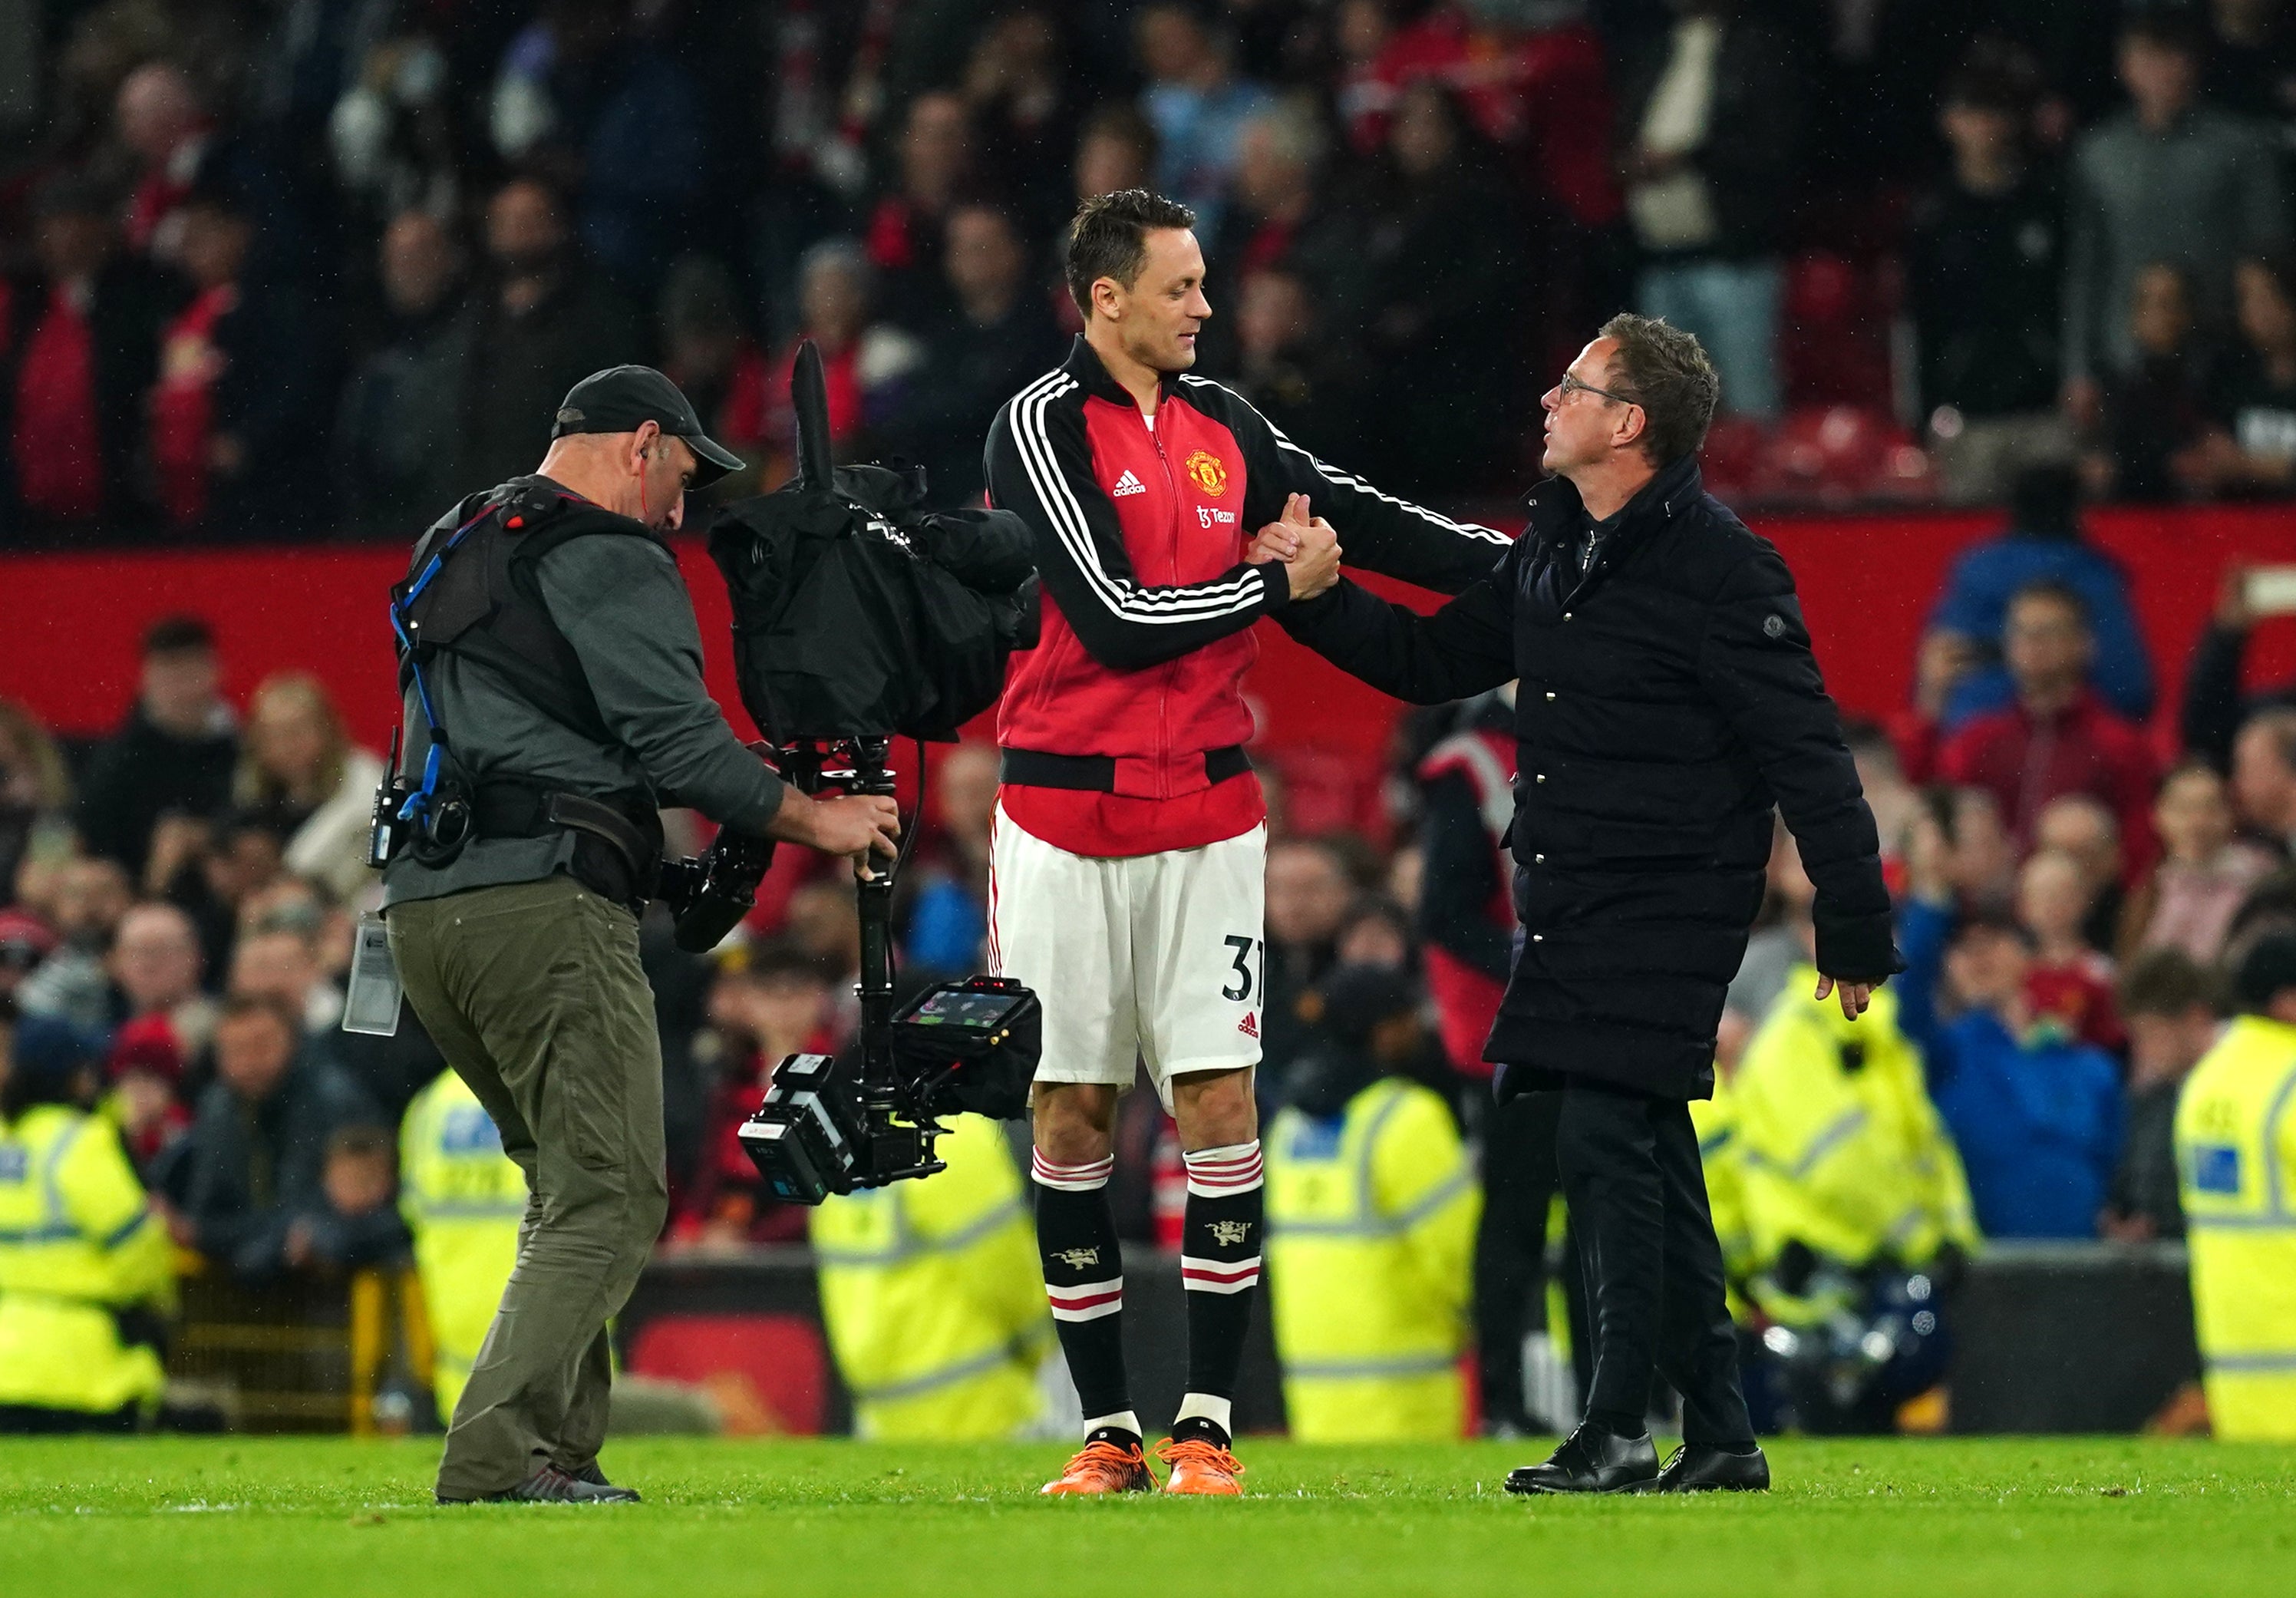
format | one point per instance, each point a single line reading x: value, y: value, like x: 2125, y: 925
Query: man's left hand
x: 1855, y: 995
x: 1280, y: 540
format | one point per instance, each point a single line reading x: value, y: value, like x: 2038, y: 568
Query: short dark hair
x: 362, y: 1141
x: 2168, y: 982
x: 2056, y: 593
x: 1109, y: 238
x: 1665, y: 371
x: 2166, y: 27
x: 1989, y: 919
x: 238, y: 1006
x: 2268, y: 971
x: 178, y: 634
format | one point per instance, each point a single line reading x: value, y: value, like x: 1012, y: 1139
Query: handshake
x: 1308, y: 548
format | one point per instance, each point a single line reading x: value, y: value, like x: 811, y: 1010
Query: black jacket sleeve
x: 1755, y: 662
x: 1040, y: 468
x: 1466, y: 648
x: 2212, y: 704
x: 1456, y: 889
x: 1378, y: 532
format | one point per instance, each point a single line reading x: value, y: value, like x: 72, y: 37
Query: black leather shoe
x: 550, y: 1486
x: 1694, y: 1468
x: 1592, y: 1461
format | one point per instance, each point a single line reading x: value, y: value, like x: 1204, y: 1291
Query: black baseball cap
x: 621, y: 399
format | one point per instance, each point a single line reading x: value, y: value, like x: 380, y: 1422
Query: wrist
x: 1277, y: 577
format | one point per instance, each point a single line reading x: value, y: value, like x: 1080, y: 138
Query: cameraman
x: 552, y: 674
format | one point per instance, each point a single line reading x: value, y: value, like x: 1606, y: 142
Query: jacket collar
x: 1084, y: 364
x: 1557, y: 512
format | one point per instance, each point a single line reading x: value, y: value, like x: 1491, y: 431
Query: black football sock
x: 1220, y: 1268
x: 1084, y: 1278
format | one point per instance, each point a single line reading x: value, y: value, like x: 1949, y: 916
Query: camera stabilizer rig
x: 958, y: 1046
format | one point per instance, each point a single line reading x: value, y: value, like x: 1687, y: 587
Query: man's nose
x: 1552, y: 399
x: 677, y: 512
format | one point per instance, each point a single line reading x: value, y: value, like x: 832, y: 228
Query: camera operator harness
x: 471, y: 591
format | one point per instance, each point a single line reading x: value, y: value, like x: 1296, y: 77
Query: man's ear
x: 1628, y: 433
x: 643, y: 440
x: 1107, y: 297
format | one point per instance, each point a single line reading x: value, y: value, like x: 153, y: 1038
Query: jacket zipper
x: 1171, y: 667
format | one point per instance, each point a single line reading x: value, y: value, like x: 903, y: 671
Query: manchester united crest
x: 1205, y: 469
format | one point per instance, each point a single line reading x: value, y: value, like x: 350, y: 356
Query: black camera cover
x: 856, y: 613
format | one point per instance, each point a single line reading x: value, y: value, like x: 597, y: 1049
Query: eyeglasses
x: 1570, y: 385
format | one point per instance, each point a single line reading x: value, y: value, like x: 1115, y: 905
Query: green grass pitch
x: 187, y: 1517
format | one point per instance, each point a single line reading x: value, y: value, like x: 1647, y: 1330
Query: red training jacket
x: 1140, y: 533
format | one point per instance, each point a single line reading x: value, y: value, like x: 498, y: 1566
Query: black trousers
x: 1637, y: 1195
x: 1519, y: 1182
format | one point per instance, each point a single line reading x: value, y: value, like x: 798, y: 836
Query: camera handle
x: 862, y: 766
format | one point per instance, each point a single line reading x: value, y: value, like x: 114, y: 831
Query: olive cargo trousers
x: 534, y: 993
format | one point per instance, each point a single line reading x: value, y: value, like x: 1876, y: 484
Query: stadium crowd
x: 305, y: 270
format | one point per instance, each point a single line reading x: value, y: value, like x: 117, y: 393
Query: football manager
x: 1668, y: 701
x: 551, y: 671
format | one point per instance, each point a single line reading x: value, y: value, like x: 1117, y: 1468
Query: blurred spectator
x: 2188, y: 902
x: 2148, y: 443
x: 1942, y: 663
x: 860, y: 358
x: 585, y: 95
x: 395, y: 433
x: 1275, y: 220
x: 546, y: 321
x: 948, y: 918
x: 1980, y: 857
x: 2264, y: 776
x: 2078, y: 826
x: 354, y: 1224
x: 1372, y: 1208
x: 90, y: 898
x: 464, y: 1201
x: 2059, y: 736
x: 997, y: 334
x: 1292, y: 370
x: 2069, y: 982
x: 2217, y: 703
x: 1020, y: 89
x: 155, y: 967
x: 2169, y: 180
x: 256, y: 1156
x: 1711, y: 123
x: 2169, y: 1003
x: 1434, y: 283
x: 239, y: 372
x: 143, y: 1076
x: 766, y: 1005
x: 1376, y: 933
x: 165, y: 125
x: 36, y: 796
x: 1466, y: 904
x: 907, y: 230
x: 173, y: 754
x: 1117, y: 150
x: 85, y: 1275
x: 2042, y: 543
x: 2251, y: 63
x: 300, y: 769
x: 2038, y: 1117
x: 1197, y: 103
x: 1984, y: 266
x: 393, y: 133
x: 2251, y: 447
x: 25, y: 941
x: 707, y: 352
x: 80, y: 348
x: 1309, y: 892
x: 280, y: 964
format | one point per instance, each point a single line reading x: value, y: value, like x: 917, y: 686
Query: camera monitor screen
x: 957, y: 1007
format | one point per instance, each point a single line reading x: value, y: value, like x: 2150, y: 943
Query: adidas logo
x: 1127, y: 484
x: 1248, y: 1026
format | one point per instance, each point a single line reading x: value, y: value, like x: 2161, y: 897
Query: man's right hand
x: 856, y: 825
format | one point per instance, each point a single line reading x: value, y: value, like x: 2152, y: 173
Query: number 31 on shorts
x: 1250, y: 957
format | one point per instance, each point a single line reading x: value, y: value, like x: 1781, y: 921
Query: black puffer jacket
x: 1668, y: 700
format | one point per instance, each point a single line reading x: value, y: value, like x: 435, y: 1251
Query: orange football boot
x: 1201, y: 1467
x: 1104, y: 1468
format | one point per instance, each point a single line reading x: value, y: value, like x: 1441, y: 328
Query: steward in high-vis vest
x: 2236, y: 1157
x: 85, y: 1277
x: 932, y: 1297
x: 1370, y: 1225
x: 464, y: 1200
x: 1837, y: 1149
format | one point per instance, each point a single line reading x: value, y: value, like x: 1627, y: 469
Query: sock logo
x: 1248, y: 1026
x: 1076, y: 1259
x: 1127, y: 484
x: 1227, y: 1235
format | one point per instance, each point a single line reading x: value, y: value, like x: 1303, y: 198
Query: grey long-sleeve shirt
x: 2201, y: 195
x: 623, y: 606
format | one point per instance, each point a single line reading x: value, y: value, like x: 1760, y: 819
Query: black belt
x: 616, y: 846
x: 1096, y: 773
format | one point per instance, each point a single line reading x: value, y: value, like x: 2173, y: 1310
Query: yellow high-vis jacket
x: 932, y: 1297
x: 1370, y: 1236
x: 1836, y: 1143
x: 464, y: 1200
x: 78, y: 1244
x: 2236, y: 1165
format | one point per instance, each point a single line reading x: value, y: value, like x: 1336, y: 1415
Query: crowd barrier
x: 301, y: 1354
x: 69, y: 621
